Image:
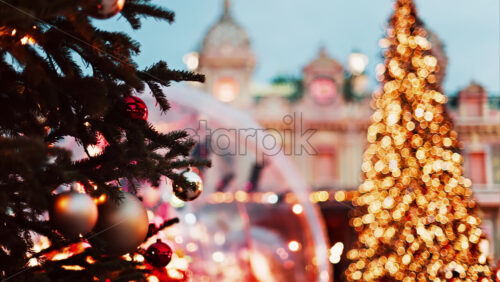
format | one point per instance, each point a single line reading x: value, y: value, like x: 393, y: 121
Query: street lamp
x: 357, y: 63
x: 357, y: 81
x: 191, y: 60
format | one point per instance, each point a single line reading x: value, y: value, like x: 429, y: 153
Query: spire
x: 322, y: 51
x: 227, y: 5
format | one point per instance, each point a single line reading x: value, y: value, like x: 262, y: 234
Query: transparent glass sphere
x: 254, y: 220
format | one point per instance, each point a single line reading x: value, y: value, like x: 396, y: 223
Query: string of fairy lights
x: 320, y: 196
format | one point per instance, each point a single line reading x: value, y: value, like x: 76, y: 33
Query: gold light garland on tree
x: 415, y: 216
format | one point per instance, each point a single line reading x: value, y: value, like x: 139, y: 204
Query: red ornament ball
x: 105, y: 9
x: 158, y: 254
x: 136, y: 108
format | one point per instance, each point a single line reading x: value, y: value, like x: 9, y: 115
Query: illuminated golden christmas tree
x: 415, y: 215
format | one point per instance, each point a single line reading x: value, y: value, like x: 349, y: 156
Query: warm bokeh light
x: 190, y: 218
x: 72, y: 267
x: 218, y: 256
x: 153, y: 278
x: 191, y: 60
x: 62, y: 256
x: 219, y: 238
x: 294, y: 246
x: 319, y: 196
x: 27, y: 40
x: 241, y: 196
x: 357, y: 63
x: 226, y: 89
x: 120, y: 4
x: 138, y: 258
x: 297, y: 209
x: 261, y: 266
x: 191, y: 247
x: 272, y: 198
x: 340, y: 196
x: 98, y: 148
x: 336, y: 252
x: 32, y: 262
x: 101, y: 199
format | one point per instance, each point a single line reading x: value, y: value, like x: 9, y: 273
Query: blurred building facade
x: 334, y: 102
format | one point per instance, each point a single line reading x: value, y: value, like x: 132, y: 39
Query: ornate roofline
x: 322, y: 59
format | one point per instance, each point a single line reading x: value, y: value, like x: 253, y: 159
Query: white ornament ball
x: 73, y: 213
x: 122, y: 226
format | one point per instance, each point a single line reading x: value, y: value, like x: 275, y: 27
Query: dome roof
x: 226, y: 36
x: 474, y: 89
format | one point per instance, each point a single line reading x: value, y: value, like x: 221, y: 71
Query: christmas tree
x: 415, y: 215
x: 61, y: 77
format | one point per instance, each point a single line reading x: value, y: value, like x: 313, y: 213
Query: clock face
x: 323, y: 90
x: 226, y: 89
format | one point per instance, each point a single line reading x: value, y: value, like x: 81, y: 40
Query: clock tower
x: 227, y: 61
x: 323, y: 84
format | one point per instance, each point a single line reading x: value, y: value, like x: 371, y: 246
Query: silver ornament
x: 121, y: 227
x: 104, y: 9
x: 73, y: 213
x: 193, y: 188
